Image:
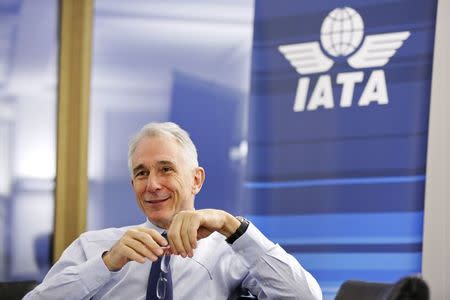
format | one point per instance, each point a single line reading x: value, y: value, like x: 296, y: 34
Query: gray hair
x: 167, y: 129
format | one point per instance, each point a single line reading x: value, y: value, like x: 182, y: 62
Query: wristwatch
x: 239, y: 231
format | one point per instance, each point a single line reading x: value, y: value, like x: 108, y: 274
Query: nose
x: 153, y: 183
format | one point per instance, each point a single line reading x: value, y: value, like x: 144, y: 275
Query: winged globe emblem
x: 341, y: 34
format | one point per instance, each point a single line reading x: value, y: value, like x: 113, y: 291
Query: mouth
x: 156, y: 200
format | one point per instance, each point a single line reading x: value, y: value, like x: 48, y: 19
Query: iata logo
x: 341, y: 34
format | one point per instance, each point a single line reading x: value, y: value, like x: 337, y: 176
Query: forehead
x: 157, y: 148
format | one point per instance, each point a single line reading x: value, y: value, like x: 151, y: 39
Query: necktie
x: 160, y: 279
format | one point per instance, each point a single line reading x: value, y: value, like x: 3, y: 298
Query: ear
x: 199, y: 178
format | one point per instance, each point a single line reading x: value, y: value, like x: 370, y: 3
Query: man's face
x: 163, y: 180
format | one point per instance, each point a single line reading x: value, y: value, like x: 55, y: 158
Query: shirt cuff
x: 252, y: 245
x: 94, y: 273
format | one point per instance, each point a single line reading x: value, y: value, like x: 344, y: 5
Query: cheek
x: 138, y: 188
x: 180, y: 186
x: 177, y: 181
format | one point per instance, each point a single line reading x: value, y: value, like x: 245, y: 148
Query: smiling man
x: 180, y: 252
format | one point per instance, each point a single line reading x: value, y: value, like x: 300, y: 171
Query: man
x: 208, y: 253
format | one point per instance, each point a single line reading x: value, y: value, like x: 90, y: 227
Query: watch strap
x: 239, y: 231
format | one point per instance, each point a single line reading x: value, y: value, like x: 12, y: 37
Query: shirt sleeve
x: 73, y: 276
x: 273, y: 273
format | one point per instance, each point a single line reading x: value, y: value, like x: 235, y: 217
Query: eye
x: 141, y: 174
x: 166, y: 169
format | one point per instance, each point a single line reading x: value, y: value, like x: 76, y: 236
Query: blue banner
x: 340, y: 94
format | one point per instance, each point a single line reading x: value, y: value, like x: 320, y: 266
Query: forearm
x: 80, y: 281
x: 282, y: 277
x: 273, y: 273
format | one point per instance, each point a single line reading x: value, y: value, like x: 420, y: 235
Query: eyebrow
x: 169, y: 163
x: 159, y: 163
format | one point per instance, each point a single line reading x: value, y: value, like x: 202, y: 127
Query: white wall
x: 436, y: 243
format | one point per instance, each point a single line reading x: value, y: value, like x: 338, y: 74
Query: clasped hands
x: 185, y: 229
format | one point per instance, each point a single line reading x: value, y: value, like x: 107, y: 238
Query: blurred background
x: 151, y: 61
x: 341, y: 188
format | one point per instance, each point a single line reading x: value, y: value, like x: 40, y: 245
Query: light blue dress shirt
x: 214, y: 272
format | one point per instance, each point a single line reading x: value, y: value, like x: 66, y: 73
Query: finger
x: 184, y: 234
x: 145, y: 239
x: 132, y: 255
x: 193, y: 233
x: 142, y: 249
x: 174, y: 237
x: 155, y: 235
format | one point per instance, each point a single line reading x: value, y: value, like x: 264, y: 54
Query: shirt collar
x: 149, y: 224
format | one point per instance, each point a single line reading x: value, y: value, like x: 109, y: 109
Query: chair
x: 241, y: 294
x: 408, y: 288
x: 16, y: 290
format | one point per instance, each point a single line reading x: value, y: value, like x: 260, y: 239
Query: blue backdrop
x: 340, y: 94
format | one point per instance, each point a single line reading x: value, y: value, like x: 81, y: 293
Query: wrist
x: 230, y: 225
x: 244, y: 223
x: 107, y: 261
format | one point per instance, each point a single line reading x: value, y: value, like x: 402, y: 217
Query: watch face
x: 242, y: 219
